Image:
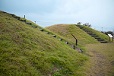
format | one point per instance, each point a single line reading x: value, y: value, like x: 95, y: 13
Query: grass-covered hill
x: 84, y: 34
x: 66, y: 30
x: 27, y: 51
x: 94, y: 43
x: 101, y: 37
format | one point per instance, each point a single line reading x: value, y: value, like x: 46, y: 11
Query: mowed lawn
x: 101, y: 62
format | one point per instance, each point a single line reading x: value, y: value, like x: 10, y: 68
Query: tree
x: 109, y: 32
x: 79, y: 23
x: 87, y: 24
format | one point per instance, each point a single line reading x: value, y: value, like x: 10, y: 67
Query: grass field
x: 98, y: 33
x: 27, y: 51
x: 101, y: 55
x: 65, y: 30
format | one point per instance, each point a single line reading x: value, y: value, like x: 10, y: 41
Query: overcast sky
x: 99, y: 13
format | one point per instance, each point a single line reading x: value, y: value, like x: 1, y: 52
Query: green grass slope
x: 66, y: 30
x: 27, y: 51
x: 93, y: 32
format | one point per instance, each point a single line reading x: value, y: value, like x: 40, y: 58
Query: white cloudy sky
x: 99, y: 13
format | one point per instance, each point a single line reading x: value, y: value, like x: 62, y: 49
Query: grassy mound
x: 66, y: 30
x: 27, y: 51
x: 101, y: 37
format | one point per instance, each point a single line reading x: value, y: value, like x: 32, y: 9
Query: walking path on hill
x: 101, y: 62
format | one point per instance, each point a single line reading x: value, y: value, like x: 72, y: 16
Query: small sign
x: 110, y: 35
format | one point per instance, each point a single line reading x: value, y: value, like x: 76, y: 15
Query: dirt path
x: 101, y: 58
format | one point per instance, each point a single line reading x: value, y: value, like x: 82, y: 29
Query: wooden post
x: 75, y: 39
x: 76, y: 42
